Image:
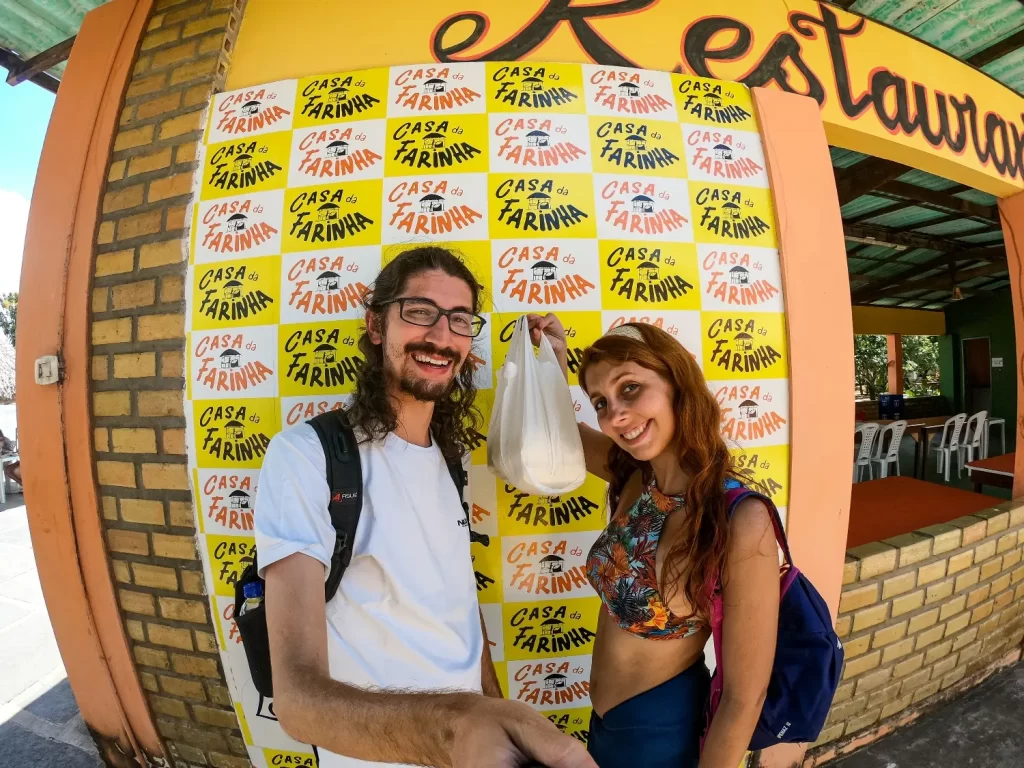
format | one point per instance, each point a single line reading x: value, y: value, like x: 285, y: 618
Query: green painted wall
x: 992, y: 316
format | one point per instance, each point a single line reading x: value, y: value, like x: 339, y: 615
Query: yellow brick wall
x: 922, y: 617
x: 137, y: 334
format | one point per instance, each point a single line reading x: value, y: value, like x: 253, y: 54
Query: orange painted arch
x: 55, y: 421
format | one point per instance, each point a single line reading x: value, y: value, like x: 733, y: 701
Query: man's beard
x: 422, y: 389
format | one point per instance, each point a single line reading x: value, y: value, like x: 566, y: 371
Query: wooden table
x: 920, y: 430
x: 894, y: 505
x: 996, y: 471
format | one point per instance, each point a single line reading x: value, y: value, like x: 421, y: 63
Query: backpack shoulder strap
x: 345, y: 480
x: 735, y: 495
x: 461, y: 480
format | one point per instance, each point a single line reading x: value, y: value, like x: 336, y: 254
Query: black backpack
x: 345, y: 480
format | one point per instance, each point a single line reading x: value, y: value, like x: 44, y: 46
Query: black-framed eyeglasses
x: 423, y: 312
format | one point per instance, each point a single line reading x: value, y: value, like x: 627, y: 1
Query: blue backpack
x: 808, y: 654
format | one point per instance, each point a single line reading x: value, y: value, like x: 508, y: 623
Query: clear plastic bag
x: 533, y: 442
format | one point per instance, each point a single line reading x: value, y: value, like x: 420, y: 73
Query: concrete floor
x: 979, y: 730
x: 39, y: 721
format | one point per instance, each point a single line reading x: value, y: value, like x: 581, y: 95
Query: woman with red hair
x: 669, y: 543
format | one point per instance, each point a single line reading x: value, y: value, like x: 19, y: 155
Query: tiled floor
x: 39, y: 721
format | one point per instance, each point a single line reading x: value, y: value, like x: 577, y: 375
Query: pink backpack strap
x: 733, y: 497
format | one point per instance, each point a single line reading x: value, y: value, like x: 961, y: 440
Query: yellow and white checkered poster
x: 605, y: 194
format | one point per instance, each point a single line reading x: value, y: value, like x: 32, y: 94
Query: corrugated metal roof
x: 917, y: 255
x: 927, y: 180
x: 906, y: 217
x: 844, y: 158
x: 983, y: 237
x: 977, y: 196
x: 954, y: 227
x: 864, y: 204
x: 28, y: 27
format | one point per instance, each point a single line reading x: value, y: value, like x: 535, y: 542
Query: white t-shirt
x: 406, y: 614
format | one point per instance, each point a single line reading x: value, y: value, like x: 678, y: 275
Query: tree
x: 870, y: 361
x: 921, y: 365
x: 6, y: 371
x: 9, y: 315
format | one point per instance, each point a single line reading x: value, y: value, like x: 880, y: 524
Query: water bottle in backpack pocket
x: 808, y: 661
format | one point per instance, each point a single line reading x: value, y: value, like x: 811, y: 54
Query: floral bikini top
x: 621, y: 568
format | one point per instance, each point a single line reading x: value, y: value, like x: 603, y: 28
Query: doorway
x: 977, y: 375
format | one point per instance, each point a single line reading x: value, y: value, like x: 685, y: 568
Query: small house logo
x: 328, y: 281
x: 246, y: 225
x: 240, y: 500
x: 708, y: 101
x: 431, y: 204
x: 639, y: 274
x: 433, y: 144
x: 628, y: 92
x: 252, y: 111
x: 227, y: 498
x: 240, y: 166
x: 547, y: 512
x: 319, y: 220
x: 737, y: 278
x: 729, y: 214
x: 347, y: 151
x: 315, y: 361
x: 735, y: 349
x: 318, y: 288
x: 436, y: 89
x: 643, y: 204
x: 534, y: 142
x: 542, y: 567
x: 717, y: 155
x: 434, y: 206
x: 531, y: 87
x: 230, y: 359
x: 230, y: 370
x: 527, y: 205
x: 225, y: 296
x: 226, y: 436
x: 634, y: 146
x: 545, y: 270
x: 555, y: 683
x: 337, y: 97
x: 748, y: 413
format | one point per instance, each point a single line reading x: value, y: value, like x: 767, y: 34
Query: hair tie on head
x: 629, y: 331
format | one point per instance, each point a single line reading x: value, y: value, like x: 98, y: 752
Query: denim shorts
x: 659, y: 728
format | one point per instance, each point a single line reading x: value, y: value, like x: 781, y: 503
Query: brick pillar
x: 138, y: 378
x: 894, y: 348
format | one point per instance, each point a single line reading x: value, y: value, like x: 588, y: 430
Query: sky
x: 26, y: 111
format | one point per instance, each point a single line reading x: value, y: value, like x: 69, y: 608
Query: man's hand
x: 507, y: 734
x: 550, y: 326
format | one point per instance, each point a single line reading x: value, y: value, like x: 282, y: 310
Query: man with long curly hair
x: 392, y: 669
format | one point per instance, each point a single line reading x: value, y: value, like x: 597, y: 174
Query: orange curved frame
x: 55, y: 421
x: 819, y: 326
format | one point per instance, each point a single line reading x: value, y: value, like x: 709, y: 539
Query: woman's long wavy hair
x: 695, y: 562
x: 372, y: 409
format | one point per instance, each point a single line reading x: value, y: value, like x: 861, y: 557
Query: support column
x: 1011, y: 214
x: 894, y: 349
x: 819, y: 326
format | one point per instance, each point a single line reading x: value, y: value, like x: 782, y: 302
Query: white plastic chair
x: 888, y: 453
x: 973, y: 440
x: 862, y: 458
x: 944, y: 450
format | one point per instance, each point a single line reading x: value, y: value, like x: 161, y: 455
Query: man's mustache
x: 426, y: 348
